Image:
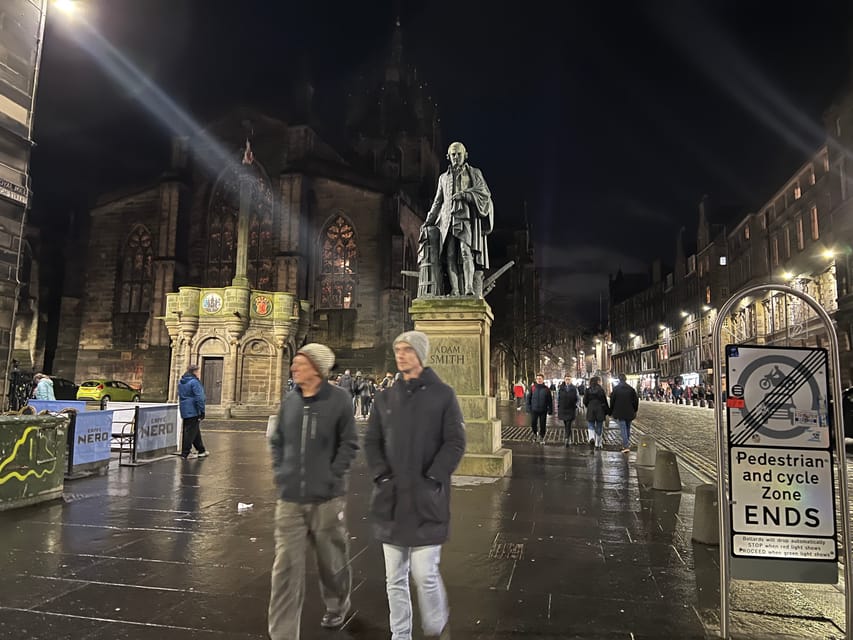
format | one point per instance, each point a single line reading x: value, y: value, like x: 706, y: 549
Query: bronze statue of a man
x: 461, y: 217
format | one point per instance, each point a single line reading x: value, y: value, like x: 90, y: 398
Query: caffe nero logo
x: 157, y: 427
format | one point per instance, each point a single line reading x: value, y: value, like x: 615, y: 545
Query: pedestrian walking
x: 597, y: 411
x: 357, y: 389
x: 624, y: 404
x: 415, y: 440
x: 387, y: 381
x: 567, y: 406
x: 312, y: 447
x: 191, y: 406
x: 44, y: 387
x: 368, y: 391
x: 540, y: 405
x: 518, y: 394
x: 345, y: 382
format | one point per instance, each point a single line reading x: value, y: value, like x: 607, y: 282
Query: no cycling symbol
x: 783, y: 396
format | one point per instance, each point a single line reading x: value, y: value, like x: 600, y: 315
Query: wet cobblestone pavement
x: 573, y: 544
x: 759, y: 609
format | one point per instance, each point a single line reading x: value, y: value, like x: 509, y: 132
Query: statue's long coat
x: 478, y: 215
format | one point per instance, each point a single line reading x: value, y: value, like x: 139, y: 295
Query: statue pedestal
x: 458, y: 330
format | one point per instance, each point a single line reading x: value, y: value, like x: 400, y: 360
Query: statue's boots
x: 468, y: 277
x: 454, y: 282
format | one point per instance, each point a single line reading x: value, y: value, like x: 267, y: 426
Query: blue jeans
x: 596, y: 425
x: 432, y: 597
x: 625, y: 428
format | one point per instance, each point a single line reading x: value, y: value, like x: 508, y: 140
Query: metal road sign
x: 778, y: 396
x: 782, y: 497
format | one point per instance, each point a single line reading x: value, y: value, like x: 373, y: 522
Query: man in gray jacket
x: 313, y: 447
x: 415, y: 440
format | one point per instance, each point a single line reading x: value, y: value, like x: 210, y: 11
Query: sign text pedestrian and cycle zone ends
x: 783, y: 503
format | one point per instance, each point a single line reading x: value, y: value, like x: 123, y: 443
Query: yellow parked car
x: 104, y: 390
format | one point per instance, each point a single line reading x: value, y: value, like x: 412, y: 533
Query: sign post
x: 778, y: 454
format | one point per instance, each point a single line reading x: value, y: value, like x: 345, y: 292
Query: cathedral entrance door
x: 211, y: 378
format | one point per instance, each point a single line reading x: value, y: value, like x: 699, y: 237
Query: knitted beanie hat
x: 320, y: 356
x: 418, y: 341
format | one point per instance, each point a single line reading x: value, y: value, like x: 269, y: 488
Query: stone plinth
x: 459, y: 330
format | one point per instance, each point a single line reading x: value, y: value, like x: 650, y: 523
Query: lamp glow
x: 68, y: 7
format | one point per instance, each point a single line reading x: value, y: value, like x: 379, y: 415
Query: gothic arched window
x: 137, y: 272
x: 222, y: 230
x: 338, y: 265
x: 392, y: 161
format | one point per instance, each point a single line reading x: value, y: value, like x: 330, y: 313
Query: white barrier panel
x: 156, y: 429
x: 55, y: 406
x: 124, y: 413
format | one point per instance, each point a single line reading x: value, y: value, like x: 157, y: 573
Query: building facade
x: 21, y: 37
x: 515, y: 302
x: 260, y: 236
x: 801, y: 236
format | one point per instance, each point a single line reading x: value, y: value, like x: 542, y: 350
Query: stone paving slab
x: 784, y: 610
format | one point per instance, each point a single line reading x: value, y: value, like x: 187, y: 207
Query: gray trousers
x: 322, y: 525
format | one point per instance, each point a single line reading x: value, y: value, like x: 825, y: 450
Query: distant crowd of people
x: 571, y: 399
x: 362, y: 389
x: 677, y: 393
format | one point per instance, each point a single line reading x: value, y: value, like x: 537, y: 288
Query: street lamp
x: 68, y: 7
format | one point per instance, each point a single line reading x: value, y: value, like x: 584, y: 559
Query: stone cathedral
x: 261, y: 235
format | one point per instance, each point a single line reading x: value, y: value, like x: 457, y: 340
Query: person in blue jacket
x: 191, y: 397
x: 44, y: 387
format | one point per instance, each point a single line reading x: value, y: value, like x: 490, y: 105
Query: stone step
x: 242, y: 412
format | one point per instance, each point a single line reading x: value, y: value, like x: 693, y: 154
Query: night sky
x: 609, y: 119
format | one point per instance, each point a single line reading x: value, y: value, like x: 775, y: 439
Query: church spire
x: 394, y: 69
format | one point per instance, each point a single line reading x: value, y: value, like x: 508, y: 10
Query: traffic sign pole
x: 780, y: 431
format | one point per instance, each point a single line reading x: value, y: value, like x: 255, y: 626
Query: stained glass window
x: 136, y: 272
x: 222, y: 231
x: 338, y: 266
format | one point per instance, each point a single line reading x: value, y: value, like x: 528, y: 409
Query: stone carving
x: 453, y: 238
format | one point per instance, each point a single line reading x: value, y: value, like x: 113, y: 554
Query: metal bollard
x: 647, y: 450
x: 706, y: 516
x: 272, y: 425
x: 667, y: 477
